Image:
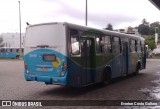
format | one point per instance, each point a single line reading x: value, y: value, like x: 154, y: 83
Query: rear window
x: 50, y: 35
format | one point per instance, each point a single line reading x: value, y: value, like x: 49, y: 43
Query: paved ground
x: 14, y: 87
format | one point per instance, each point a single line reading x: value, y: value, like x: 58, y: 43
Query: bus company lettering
x: 14, y: 103
x: 127, y: 104
x: 151, y: 104
x: 34, y: 104
x: 145, y: 103
x: 139, y: 103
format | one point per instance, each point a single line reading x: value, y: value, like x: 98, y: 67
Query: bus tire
x: 106, y: 77
x: 17, y: 56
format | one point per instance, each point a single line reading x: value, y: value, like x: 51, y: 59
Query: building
x: 129, y: 30
x: 12, y: 39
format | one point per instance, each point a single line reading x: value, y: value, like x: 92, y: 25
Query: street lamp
x: 20, y: 26
x: 86, y: 17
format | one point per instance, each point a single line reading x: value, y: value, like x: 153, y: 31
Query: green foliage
x: 155, y: 24
x: 149, y: 29
x: 150, y: 41
x: 109, y: 27
x: 144, y: 22
x: 143, y: 29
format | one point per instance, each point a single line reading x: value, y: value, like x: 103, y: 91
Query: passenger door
x: 125, y: 57
x: 86, y: 52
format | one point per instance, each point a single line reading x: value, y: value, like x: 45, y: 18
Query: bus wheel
x: 106, y: 76
x: 17, y: 56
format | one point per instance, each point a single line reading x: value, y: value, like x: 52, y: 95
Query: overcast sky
x: 120, y: 13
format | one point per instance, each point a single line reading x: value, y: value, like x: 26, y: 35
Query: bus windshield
x: 45, y: 36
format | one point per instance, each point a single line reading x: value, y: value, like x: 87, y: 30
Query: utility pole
x: 20, y: 26
x: 156, y: 36
x: 86, y: 14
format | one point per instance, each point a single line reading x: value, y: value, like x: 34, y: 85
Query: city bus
x: 67, y: 54
x: 10, y: 52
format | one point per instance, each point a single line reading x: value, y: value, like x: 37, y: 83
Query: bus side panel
x: 102, y: 61
x: 74, y: 76
x: 79, y: 75
x: 8, y: 55
x: 116, y: 65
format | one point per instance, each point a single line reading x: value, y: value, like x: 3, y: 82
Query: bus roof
x: 112, y: 33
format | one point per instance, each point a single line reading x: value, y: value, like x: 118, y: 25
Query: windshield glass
x: 50, y: 35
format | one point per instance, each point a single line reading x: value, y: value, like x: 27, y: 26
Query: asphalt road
x: 14, y: 87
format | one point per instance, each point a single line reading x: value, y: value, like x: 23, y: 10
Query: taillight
x: 25, y: 65
x: 64, y: 66
x: 63, y: 69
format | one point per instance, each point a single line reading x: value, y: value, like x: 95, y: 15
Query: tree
x: 143, y: 29
x: 109, y: 27
x: 150, y: 41
x: 155, y: 24
x: 1, y: 42
x: 144, y: 22
x: 155, y: 27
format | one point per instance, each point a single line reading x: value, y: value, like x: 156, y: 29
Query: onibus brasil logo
x: 21, y: 103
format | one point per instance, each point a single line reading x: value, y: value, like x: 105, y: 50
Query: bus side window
x: 14, y: 50
x: 8, y: 50
x: 22, y: 50
x: 139, y: 50
x: 132, y: 45
x: 136, y: 48
x: 106, y: 44
x: 120, y: 43
x: 98, y: 44
x: 124, y: 40
x: 3, y: 50
x: 74, y: 42
x: 140, y: 46
x: 130, y: 49
x: 116, y: 45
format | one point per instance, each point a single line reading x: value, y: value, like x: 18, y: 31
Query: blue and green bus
x: 68, y: 54
x: 10, y: 52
